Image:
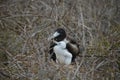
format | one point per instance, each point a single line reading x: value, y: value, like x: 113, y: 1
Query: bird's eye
x: 56, y: 39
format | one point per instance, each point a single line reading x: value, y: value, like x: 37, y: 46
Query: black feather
x: 52, y: 54
x: 73, y: 49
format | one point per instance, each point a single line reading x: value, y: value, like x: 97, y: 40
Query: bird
x: 63, y: 49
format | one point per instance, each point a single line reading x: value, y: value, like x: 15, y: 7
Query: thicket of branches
x: 25, y: 26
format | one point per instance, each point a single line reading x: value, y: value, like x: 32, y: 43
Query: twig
x: 77, y: 69
x: 104, y: 56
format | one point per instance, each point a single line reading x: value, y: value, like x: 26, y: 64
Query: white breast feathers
x: 62, y: 54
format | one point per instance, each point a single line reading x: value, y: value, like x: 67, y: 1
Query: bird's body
x: 62, y: 49
x: 62, y: 54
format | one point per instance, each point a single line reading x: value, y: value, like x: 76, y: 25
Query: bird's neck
x: 66, y: 41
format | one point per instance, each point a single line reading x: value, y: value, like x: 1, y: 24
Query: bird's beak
x: 50, y: 38
x: 54, y: 35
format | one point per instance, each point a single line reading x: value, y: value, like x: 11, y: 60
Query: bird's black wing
x: 73, y: 48
x: 52, y: 54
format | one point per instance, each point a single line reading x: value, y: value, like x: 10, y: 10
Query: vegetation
x: 25, y: 26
